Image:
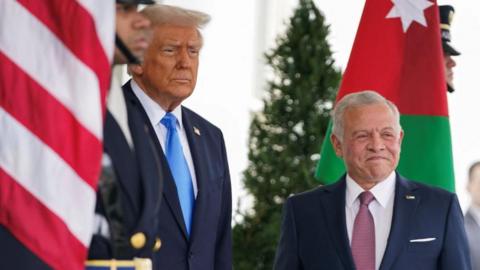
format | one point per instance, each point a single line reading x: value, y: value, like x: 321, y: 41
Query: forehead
x: 377, y: 115
x: 176, y: 33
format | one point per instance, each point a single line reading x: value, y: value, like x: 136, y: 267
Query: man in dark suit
x: 372, y: 218
x: 127, y: 200
x: 195, y: 218
x: 472, y: 217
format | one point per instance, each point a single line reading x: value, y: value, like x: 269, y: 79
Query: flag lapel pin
x: 196, y: 131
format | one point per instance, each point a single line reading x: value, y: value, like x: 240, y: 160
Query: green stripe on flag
x: 426, y: 153
x: 427, y: 150
x: 329, y: 167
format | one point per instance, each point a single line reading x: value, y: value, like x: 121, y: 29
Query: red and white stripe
x: 54, y: 73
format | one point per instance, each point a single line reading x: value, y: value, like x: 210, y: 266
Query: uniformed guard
x: 130, y: 185
x: 446, y: 16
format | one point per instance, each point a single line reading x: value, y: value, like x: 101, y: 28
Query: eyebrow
x: 171, y: 42
x: 388, y: 128
x: 367, y: 131
x: 178, y: 42
x: 359, y: 131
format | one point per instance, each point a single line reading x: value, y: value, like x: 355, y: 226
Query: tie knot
x: 366, y: 198
x: 169, y: 121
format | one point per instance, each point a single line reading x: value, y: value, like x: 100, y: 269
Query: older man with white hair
x: 372, y: 218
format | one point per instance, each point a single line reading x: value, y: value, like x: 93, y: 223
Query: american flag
x: 54, y: 74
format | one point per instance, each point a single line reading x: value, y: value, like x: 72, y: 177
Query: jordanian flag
x: 398, y: 53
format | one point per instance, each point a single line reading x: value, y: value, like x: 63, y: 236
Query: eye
x: 193, y: 51
x: 126, y: 8
x: 361, y: 136
x: 388, y: 135
x: 168, y: 50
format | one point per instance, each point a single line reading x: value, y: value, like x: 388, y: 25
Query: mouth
x: 181, y: 80
x: 141, y: 44
x: 376, y: 158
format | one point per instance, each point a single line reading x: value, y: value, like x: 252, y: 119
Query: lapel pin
x: 196, y: 131
x: 410, y: 197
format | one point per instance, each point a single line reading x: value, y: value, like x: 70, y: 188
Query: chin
x: 379, y: 175
x: 183, y: 93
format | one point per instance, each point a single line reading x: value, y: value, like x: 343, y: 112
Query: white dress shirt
x: 155, y: 113
x: 117, y: 107
x: 381, y: 209
x: 475, y: 211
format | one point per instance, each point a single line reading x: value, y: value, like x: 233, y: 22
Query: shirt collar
x: 154, y: 111
x: 382, y: 191
x: 475, y: 211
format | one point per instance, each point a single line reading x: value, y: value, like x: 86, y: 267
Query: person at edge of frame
x: 128, y: 200
x: 446, y: 15
x: 372, y: 218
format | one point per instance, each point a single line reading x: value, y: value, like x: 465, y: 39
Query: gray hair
x: 165, y: 14
x: 359, y: 99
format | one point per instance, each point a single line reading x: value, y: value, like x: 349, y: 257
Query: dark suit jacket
x: 209, y: 245
x: 473, y: 235
x: 314, y: 234
x: 138, y: 175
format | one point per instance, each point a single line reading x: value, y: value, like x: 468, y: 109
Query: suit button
x: 190, y: 255
x: 138, y: 240
x: 157, y: 245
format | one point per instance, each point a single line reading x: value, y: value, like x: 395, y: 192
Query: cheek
x: 395, y: 151
x: 156, y: 71
x: 476, y: 187
x: 195, y: 66
x: 356, y: 152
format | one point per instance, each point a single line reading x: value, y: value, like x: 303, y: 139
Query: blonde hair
x: 165, y: 14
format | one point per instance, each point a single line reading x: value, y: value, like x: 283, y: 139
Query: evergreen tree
x: 286, y: 136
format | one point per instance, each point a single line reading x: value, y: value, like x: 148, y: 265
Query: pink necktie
x: 363, y: 237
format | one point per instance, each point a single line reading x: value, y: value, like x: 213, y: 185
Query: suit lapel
x: 169, y: 188
x: 405, y: 205
x: 199, y: 162
x: 120, y: 153
x: 149, y: 167
x: 334, y: 208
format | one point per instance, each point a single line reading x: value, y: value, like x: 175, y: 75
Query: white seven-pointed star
x: 409, y: 11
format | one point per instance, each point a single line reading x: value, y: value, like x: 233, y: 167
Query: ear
x: 400, y: 138
x: 337, y: 145
x: 136, y: 70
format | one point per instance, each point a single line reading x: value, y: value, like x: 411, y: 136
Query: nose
x: 183, y: 59
x: 450, y: 62
x: 454, y: 63
x: 376, y: 143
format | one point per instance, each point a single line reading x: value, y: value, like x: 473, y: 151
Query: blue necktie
x: 179, y: 168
